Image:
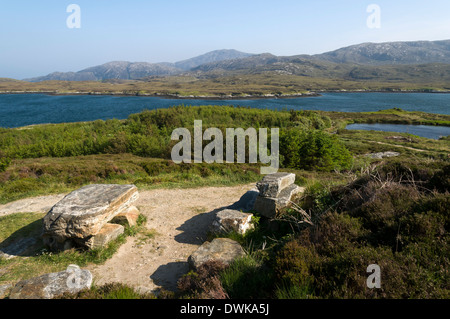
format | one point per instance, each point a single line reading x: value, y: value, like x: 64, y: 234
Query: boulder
x: 232, y: 220
x: 127, y: 218
x: 269, y: 207
x: 82, y: 214
x: 108, y: 233
x: 53, y: 285
x: 273, y: 184
x: 4, y: 290
x: 224, y: 250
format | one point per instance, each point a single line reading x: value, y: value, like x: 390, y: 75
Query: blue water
x: 433, y: 132
x: 18, y: 110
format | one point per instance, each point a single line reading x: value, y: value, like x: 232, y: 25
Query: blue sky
x: 35, y: 39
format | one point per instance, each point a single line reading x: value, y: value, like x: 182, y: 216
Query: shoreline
x: 170, y: 96
x: 317, y: 93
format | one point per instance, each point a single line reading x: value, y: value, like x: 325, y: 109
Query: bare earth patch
x: 41, y: 204
x: 181, y: 219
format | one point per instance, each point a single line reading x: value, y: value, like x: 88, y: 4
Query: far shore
x: 174, y: 96
x: 223, y: 97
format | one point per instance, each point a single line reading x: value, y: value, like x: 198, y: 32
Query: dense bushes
x: 387, y: 218
x: 395, y: 217
x: 313, y: 150
x: 303, y: 144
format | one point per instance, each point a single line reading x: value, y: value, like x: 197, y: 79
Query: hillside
x: 113, y: 70
x: 214, y: 56
x: 414, y: 52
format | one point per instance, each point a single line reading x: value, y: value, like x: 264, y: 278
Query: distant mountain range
x: 122, y: 70
x: 357, y: 62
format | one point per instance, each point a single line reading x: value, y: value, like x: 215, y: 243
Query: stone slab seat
x: 83, y: 213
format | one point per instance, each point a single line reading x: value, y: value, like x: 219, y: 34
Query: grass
x: 246, y: 276
x: 363, y: 142
x: 392, y: 116
x: 41, y: 176
x: 109, y: 291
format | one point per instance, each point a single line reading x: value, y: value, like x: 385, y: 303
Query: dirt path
x: 179, y: 220
x: 405, y: 147
x: 41, y: 204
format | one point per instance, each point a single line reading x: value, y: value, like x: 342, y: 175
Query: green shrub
x: 4, y: 163
x: 247, y: 277
x: 109, y: 291
x: 313, y: 150
x: 292, y: 264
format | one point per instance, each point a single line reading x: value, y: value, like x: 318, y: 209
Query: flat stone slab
x: 232, y: 220
x: 272, y: 185
x: 84, y: 212
x: 53, y: 285
x: 269, y: 207
x: 221, y: 249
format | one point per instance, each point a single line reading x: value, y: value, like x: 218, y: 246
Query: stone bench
x: 78, y: 218
x: 275, y: 193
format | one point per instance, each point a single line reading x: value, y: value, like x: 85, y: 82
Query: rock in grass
x: 382, y: 155
x: 82, y: 214
x: 273, y: 184
x: 53, y: 285
x: 269, y: 207
x: 232, y: 220
x: 224, y: 250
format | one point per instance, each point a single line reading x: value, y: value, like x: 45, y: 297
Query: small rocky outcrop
x: 232, y: 220
x: 224, y: 250
x: 53, y: 285
x: 275, y: 193
x: 382, y: 155
x: 80, y: 216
